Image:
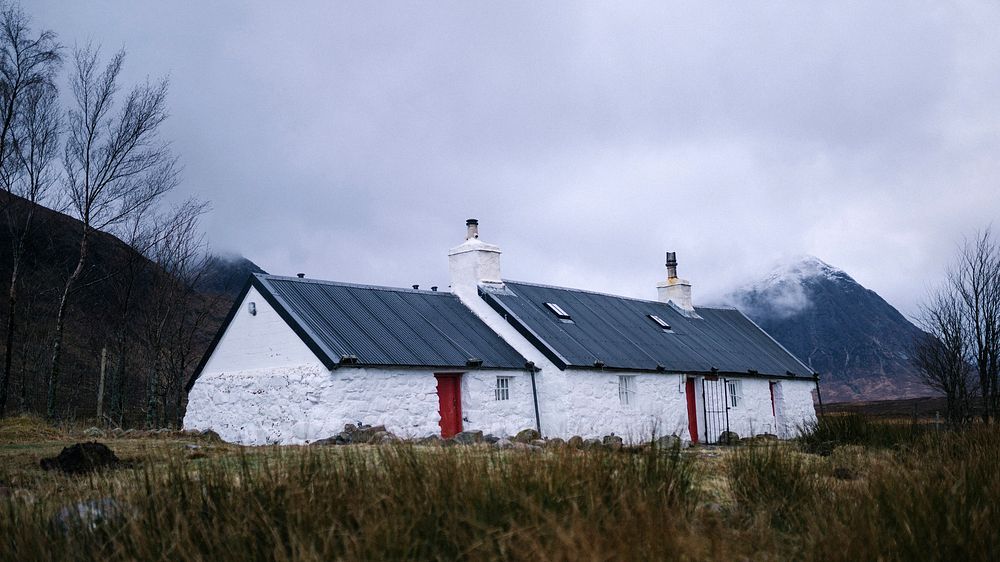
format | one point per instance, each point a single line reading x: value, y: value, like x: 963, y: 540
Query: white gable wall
x: 258, y: 342
x: 263, y: 385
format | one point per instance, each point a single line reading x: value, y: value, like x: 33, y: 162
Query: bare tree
x: 976, y: 282
x: 29, y: 138
x: 174, y: 311
x: 941, y: 355
x: 114, y: 162
x: 26, y: 64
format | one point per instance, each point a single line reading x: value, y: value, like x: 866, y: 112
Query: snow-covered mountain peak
x: 798, y: 269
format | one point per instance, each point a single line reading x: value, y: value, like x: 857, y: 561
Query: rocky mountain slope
x: 857, y: 341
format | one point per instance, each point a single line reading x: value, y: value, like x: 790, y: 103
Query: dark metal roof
x: 617, y: 333
x: 383, y: 326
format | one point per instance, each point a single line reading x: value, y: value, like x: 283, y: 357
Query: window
x: 502, y: 391
x: 558, y: 311
x: 626, y: 390
x: 735, y: 391
x: 659, y: 321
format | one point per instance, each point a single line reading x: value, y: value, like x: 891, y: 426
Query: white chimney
x: 674, y: 289
x: 473, y: 262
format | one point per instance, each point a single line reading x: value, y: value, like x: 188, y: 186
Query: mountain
x: 858, y: 343
x: 226, y: 274
x: 123, y: 303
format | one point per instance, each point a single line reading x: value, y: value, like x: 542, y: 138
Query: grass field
x: 854, y: 489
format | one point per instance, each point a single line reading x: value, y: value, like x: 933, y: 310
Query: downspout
x: 818, y: 395
x: 530, y: 366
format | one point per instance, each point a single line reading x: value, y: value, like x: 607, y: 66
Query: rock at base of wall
x: 526, y: 436
x: 592, y: 443
x: 575, y: 442
x: 430, y: 440
x: 668, y: 442
x: 366, y: 434
x: 468, y: 437
x: 82, y: 458
x: 612, y: 442
x: 555, y: 443
x: 729, y: 438
x: 503, y: 444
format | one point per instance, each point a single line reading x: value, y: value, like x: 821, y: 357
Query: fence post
x: 100, y: 385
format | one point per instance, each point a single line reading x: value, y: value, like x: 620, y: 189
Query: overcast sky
x: 351, y: 141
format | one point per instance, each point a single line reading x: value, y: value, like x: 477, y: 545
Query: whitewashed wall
x: 263, y: 385
x: 594, y: 408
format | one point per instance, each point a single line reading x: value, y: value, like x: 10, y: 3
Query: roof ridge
x: 603, y: 294
x: 312, y: 281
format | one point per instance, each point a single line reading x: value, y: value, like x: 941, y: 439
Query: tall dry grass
x: 377, y: 503
x: 900, y: 496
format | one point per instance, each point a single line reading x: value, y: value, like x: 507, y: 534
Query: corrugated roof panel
x: 618, y: 332
x: 384, y: 326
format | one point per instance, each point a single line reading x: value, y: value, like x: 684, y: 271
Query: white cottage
x: 298, y: 358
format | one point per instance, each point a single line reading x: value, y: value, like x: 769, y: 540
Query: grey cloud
x: 351, y: 140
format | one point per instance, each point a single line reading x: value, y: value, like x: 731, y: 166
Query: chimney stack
x: 473, y: 262
x: 671, y: 265
x: 675, y: 290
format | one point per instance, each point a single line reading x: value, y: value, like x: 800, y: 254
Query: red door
x: 692, y: 411
x: 449, y: 389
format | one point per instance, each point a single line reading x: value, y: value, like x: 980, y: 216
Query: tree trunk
x: 50, y: 406
x: 8, y: 355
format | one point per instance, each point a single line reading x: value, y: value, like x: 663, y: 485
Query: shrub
x: 855, y: 429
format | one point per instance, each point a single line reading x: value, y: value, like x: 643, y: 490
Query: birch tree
x: 29, y: 138
x: 115, y: 165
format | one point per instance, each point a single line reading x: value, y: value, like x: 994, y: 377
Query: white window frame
x: 501, y: 392
x: 627, y: 394
x: 734, y: 392
x: 558, y: 311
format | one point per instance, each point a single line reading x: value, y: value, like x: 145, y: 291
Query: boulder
x: 384, y: 438
x: 90, y: 514
x: 554, y: 443
x: 729, y: 438
x: 526, y: 436
x: 538, y: 442
x: 93, y: 432
x: 82, y: 458
x: 210, y: 435
x: 503, y: 444
x: 365, y: 434
x: 575, y: 442
x: 469, y: 437
x: 490, y: 438
x: 612, y: 442
x: 342, y: 438
x: 430, y: 440
x: 592, y: 443
x: 668, y: 442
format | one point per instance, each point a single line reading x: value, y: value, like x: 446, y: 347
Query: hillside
x: 857, y: 341
x: 118, y: 302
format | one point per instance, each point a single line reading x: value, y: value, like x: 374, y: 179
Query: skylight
x: 659, y: 321
x: 558, y: 311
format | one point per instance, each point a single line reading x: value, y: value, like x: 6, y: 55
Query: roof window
x: 558, y: 311
x: 659, y: 321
